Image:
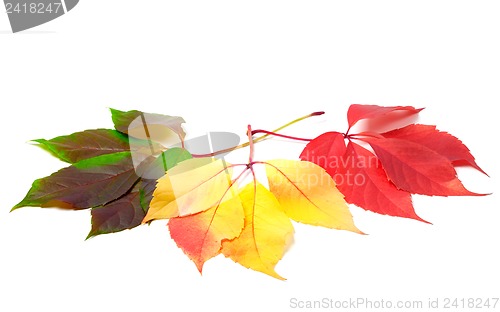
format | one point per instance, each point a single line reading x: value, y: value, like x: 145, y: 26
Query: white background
x: 222, y: 65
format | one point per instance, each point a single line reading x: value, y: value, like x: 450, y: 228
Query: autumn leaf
x: 308, y: 194
x: 129, y: 210
x: 86, y: 144
x: 441, y: 142
x: 416, y: 159
x: 87, y: 183
x: 266, y: 235
x: 123, y: 213
x: 194, y: 186
x: 209, y: 214
x: 417, y: 169
x: 365, y: 184
x: 201, y: 194
x: 111, y: 172
x: 326, y: 150
x: 127, y: 178
x: 91, y: 143
x: 139, y: 124
x: 357, y: 112
x: 200, y: 235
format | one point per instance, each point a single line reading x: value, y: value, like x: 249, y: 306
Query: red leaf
x: 441, y: 142
x: 325, y: 151
x: 358, y: 112
x: 375, y: 192
x: 364, y: 183
x: 417, y: 169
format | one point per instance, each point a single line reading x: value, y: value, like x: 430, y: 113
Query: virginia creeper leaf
x: 358, y: 112
x: 417, y: 169
x: 123, y: 213
x: 117, y: 174
x: 200, y: 235
x: 129, y: 210
x: 308, y: 194
x: 325, y: 151
x: 90, y: 143
x: 87, y: 183
x: 266, y: 234
x: 165, y: 161
x: 201, y: 201
x: 413, y: 159
x: 126, y: 122
x: 364, y: 183
x: 193, y: 186
x: 439, y: 141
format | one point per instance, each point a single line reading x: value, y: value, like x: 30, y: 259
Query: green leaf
x: 88, y: 183
x: 91, y: 143
x: 128, y: 211
x: 86, y: 144
x: 166, y: 161
x: 139, y: 124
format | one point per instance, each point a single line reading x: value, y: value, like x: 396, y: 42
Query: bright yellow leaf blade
x: 308, y: 194
x: 191, y: 187
x: 200, y: 235
x: 266, y: 235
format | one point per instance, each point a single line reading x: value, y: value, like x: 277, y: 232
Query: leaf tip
x: 91, y: 234
x: 21, y: 204
x: 485, y: 194
x: 199, y: 266
x: 16, y: 207
x: 41, y: 141
x: 279, y: 277
x: 469, y: 193
x: 147, y: 220
x: 417, y: 218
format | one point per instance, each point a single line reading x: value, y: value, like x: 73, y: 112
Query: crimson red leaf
x: 358, y: 112
x: 441, y: 142
x: 416, y: 168
x: 325, y: 151
x: 364, y: 183
x: 88, y: 183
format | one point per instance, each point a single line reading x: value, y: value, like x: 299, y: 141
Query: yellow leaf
x: 308, y: 194
x: 200, y: 235
x: 266, y: 234
x: 191, y: 187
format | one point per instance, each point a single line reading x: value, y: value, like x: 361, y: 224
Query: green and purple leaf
x: 91, y: 143
x: 124, y: 213
x: 129, y: 210
x: 86, y: 144
x: 127, y: 122
x: 88, y: 183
